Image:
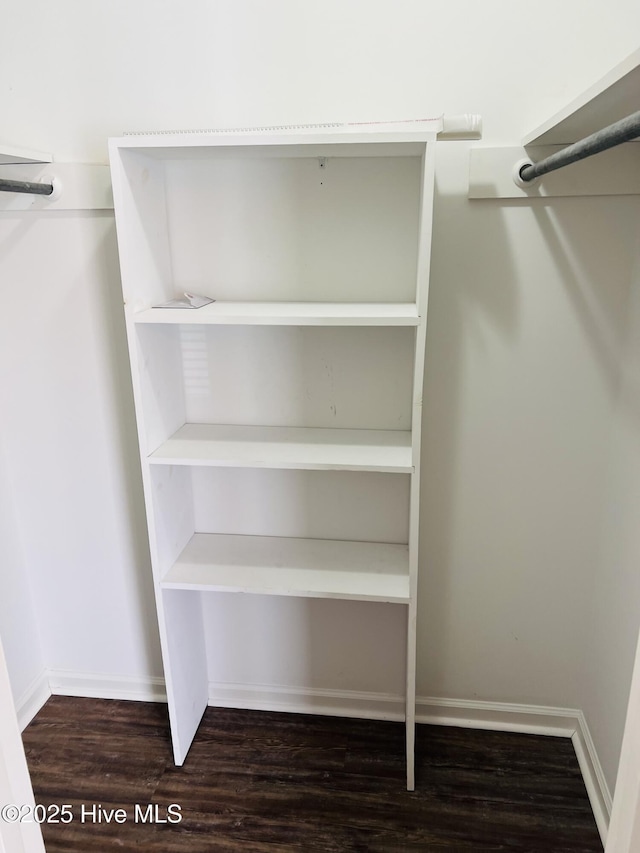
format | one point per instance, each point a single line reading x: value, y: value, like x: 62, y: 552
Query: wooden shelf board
x: 287, y: 314
x: 17, y: 154
x: 287, y: 447
x: 611, y: 98
x: 309, y: 568
x: 391, y: 140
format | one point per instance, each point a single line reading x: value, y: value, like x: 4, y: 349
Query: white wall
x: 527, y: 323
x: 526, y: 320
x: 112, y: 65
x: 73, y: 478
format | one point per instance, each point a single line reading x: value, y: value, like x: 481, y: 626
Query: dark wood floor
x: 267, y: 783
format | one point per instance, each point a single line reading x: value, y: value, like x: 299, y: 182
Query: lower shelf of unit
x: 288, y: 314
x: 307, y: 568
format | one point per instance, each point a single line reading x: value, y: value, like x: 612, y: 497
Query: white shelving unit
x: 315, y: 245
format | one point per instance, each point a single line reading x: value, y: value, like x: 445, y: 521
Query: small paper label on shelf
x: 187, y: 300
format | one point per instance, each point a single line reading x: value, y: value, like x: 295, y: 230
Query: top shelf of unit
x: 400, y: 139
x: 286, y: 314
x: 611, y: 98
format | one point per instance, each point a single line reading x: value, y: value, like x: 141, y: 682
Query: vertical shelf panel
x: 185, y: 665
x: 422, y: 299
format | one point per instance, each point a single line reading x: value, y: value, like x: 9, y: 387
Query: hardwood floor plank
x: 278, y: 783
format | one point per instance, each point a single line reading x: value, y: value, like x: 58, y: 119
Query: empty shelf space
x: 309, y: 568
x: 287, y: 314
x: 287, y: 447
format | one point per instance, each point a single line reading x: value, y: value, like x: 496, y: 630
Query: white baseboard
x: 495, y: 716
x: 593, y: 775
x: 306, y: 700
x: 33, y: 698
x: 149, y: 689
x: 530, y: 719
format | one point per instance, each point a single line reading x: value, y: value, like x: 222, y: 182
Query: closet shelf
x: 288, y: 314
x: 10, y: 154
x: 308, y: 568
x: 371, y: 141
x: 287, y: 447
x: 611, y: 98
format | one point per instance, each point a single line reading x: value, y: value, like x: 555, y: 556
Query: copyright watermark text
x: 90, y: 813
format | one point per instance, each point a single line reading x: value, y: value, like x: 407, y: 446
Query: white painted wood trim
x: 613, y: 172
x: 530, y: 719
x: 593, y: 775
x: 33, y: 698
x: 296, y: 700
x: 490, y: 716
x: 98, y: 686
x: 497, y: 716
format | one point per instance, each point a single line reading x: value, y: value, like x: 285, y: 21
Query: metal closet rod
x: 615, y: 134
x: 25, y: 187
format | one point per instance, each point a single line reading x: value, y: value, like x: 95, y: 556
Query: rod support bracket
x: 517, y: 177
x: 56, y: 183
